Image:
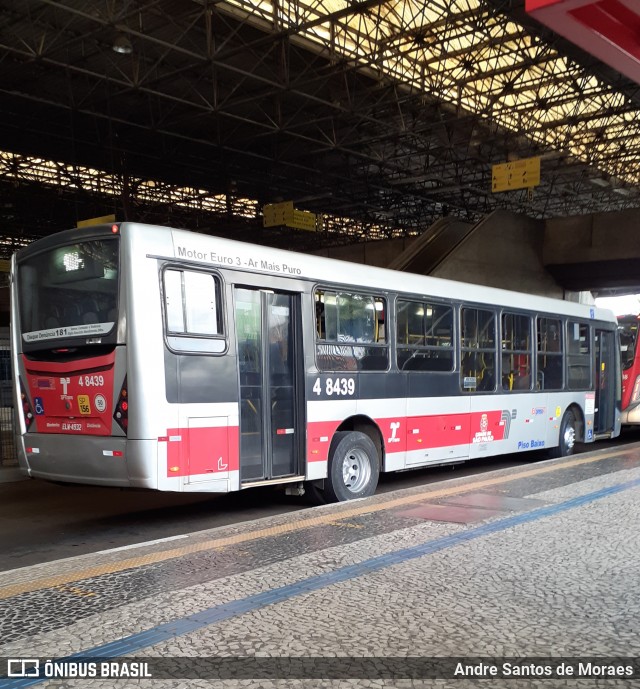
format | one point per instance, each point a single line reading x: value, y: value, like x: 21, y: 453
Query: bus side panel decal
x: 319, y: 434
x: 420, y: 432
x: 446, y: 430
x: 487, y: 427
x: 204, y: 450
x: 394, y: 433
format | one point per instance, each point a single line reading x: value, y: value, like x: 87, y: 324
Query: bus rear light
x: 27, y: 411
x: 121, y: 413
x: 636, y: 390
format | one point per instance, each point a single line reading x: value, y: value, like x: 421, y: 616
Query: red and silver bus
x: 628, y: 331
x: 157, y: 358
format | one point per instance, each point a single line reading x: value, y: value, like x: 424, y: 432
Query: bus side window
x: 578, y: 356
x: 424, y: 335
x: 193, y: 313
x: 478, y: 350
x: 516, y: 352
x: 350, y: 332
x: 549, y: 344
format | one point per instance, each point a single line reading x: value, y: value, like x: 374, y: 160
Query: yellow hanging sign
x: 520, y: 174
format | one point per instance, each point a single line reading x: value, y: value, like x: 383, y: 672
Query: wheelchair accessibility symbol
x: 38, y: 405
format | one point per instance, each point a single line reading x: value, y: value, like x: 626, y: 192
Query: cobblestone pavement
x: 536, y: 562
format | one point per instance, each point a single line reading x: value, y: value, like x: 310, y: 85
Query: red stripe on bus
x: 405, y: 434
x: 216, y: 449
x: 441, y: 430
x: 319, y: 434
x: 210, y: 450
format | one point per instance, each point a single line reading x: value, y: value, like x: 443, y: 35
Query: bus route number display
x: 335, y: 387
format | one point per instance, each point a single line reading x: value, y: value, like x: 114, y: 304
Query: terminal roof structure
x: 379, y: 116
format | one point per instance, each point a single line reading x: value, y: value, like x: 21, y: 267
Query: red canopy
x: 608, y: 29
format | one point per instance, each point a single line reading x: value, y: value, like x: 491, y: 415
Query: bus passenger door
x: 605, y: 382
x: 268, y: 341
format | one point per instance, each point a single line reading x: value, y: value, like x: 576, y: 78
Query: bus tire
x: 354, y: 467
x: 567, y: 437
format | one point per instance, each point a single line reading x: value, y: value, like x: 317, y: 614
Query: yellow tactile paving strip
x: 322, y: 520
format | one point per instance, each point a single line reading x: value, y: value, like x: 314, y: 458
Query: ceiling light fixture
x: 122, y: 45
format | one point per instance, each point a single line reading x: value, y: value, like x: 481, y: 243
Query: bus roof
x: 228, y: 253
x: 208, y: 250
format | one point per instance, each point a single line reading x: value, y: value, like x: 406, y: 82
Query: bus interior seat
x: 522, y: 382
x: 415, y: 363
x: 72, y: 315
x: 579, y: 376
x: 374, y: 362
x: 427, y: 363
x: 90, y: 311
x: 52, y: 317
x: 440, y: 363
x: 550, y: 374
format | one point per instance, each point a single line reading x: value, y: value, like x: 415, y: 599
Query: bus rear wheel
x: 354, y: 467
x: 567, y: 438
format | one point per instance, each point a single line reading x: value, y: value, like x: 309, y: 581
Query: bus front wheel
x: 567, y: 438
x: 354, y: 467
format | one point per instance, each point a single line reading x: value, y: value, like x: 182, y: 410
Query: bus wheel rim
x: 570, y: 437
x: 356, y: 470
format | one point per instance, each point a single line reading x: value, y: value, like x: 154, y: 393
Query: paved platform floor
x: 513, y: 578
x: 10, y: 473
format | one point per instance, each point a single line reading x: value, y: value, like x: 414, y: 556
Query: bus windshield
x: 69, y: 291
x: 628, y: 330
